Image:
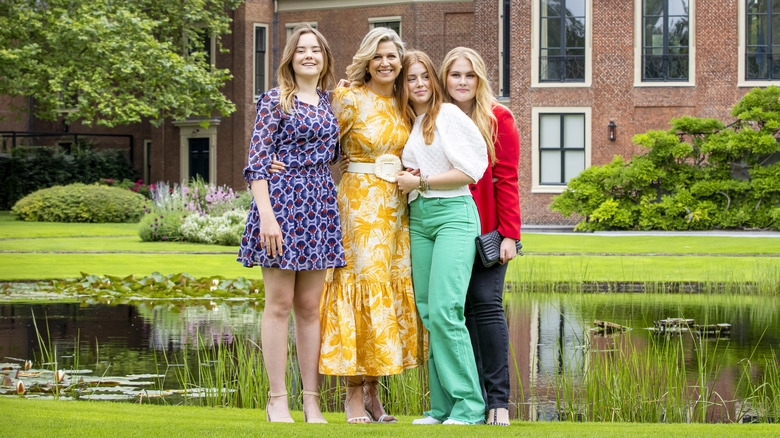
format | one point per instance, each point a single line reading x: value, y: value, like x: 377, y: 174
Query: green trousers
x: 442, y: 232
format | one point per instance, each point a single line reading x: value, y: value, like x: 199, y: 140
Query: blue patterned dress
x: 303, y: 196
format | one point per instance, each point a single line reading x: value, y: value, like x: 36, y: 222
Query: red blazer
x: 497, y: 194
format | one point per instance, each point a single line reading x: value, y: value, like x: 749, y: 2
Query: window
x: 665, y: 45
x: 562, y: 36
x: 762, y: 60
x: 504, y: 48
x: 203, y: 44
x: 261, y: 60
x: 390, y: 22
x: 561, y: 43
x: 561, y: 146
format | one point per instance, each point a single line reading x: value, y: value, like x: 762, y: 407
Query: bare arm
x: 270, y: 232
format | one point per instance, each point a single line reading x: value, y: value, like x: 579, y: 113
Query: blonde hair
x: 285, y: 73
x: 357, y: 72
x: 437, y: 94
x: 484, y: 100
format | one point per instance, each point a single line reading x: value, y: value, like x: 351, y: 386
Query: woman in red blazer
x: 464, y: 75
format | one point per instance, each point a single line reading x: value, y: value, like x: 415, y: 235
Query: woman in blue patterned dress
x: 293, y: 230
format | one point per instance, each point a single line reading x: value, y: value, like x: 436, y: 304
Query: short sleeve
x: 263, y: 143
x: 464, y: 146
x: 344, y: 108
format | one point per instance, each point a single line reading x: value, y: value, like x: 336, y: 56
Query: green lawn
x: 39, y: 241
x: 51, y: 418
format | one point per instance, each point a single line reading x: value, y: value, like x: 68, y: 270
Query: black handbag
x: 489, y: 247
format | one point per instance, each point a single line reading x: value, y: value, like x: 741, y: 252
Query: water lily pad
x: 116, y: 397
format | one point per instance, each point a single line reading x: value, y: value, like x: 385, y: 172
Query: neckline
x: 375, y: 93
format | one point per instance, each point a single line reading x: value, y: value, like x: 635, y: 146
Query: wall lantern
x: 611, y: 131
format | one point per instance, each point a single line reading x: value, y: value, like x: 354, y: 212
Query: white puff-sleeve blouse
x: 457, y: 143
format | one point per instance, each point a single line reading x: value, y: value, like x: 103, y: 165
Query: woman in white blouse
x: 445, y: 153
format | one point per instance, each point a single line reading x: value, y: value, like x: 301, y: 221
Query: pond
x: 151, y: 351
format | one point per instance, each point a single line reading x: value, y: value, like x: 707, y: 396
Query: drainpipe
x: 275, y: 48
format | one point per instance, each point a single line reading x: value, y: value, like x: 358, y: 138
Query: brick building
x: 566, y: 68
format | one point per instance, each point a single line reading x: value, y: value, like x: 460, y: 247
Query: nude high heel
x: 271, y: 395
x: 305, y: 418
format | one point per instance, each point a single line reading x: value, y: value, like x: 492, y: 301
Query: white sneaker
x: 452, y: 422
x: 427, y: 420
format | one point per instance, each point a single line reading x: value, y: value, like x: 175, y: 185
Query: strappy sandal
x: 384, y: 418
x: 493, y: 419
x: 268, y: 414
x: 356, y: 420
x: 305, y: 418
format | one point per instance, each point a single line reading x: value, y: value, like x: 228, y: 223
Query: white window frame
x: 638, y: 34
x: 254, y: 58
x: 374, y: 20
x: 536, y: 186
x: 536, y: 44
x: 501, y: 92
x: 742, y: 50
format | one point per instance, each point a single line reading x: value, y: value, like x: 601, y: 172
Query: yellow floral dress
x: 368, y: 318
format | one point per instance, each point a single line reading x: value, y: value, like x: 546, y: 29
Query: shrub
x: 162, y: 225
x: 30, y: 168
x: 226, y: 229
x: 212, y: 214
x: 137, y: 186
x: 80, y: 203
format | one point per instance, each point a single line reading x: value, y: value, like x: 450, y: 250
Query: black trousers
x: 487, y: 326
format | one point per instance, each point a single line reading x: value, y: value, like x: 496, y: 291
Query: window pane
x: 756, y: 66
x: 678, y: 67
x: 550, y: 167
x: 776, y: 28
x: 575, y: 67
x: 654, y: 7
x: 551, y: 8
x: 575, y: 32
x: 551, y: 33
x: 575, y: 8
x: 574, y: 131
x: 573, y: 164
x: 754, y: 6
x: 776, y: 6
x: 653, y: 65
x: 678, y: 7
x: 654, y: 31
x: 678, y: 31
x: 550, y: 130
x: 757, y: 29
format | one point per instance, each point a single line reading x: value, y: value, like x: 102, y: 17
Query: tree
x: 112, y: 62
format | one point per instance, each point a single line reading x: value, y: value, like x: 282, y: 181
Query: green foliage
x: 114, y: 62
x: 27, y: 169
x: 698, y: 175
x: 226, y: 229
x: 197, y: 212
x: 162, y: 225
x: 80, y: 203
x: 135, y: 186
x: 158, y: 285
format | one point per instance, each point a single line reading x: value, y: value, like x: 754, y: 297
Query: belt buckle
x: 387, y: 166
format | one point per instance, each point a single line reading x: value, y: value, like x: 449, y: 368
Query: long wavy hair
x: 357, y: 72
x: 437, y: 94
x: 286, y: 75
x: 484, y: 100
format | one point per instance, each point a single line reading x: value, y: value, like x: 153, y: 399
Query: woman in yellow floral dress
x: 370, y: 326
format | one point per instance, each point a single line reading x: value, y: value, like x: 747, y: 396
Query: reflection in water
x: 550, y: 336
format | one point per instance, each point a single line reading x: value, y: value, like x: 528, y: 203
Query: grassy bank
x: 44, y: 250
x: 47, y: 418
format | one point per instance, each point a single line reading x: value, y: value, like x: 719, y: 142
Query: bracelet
x: 424, y: 185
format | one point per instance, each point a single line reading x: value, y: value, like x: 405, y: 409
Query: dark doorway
x: 199, y: 158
